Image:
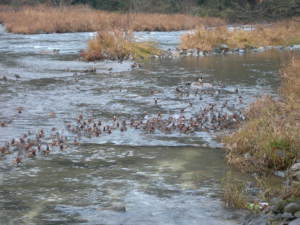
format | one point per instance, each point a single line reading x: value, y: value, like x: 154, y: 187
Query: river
x: 132, y: 177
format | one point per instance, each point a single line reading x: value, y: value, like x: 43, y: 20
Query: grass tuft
x: 118, y: 45
x: 234, y: 193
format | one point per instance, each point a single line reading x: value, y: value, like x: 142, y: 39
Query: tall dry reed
x: 280, y: 33
x: 270, y: 139
x: 118, y: 45
x: 45, y: 19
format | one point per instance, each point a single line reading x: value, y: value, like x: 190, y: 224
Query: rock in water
x: 295, y: 167
x: 296, y: 176
x: 292, y: 207
x: 297, y: 214
x: 223, y: 47
x: 295, y: 222
x: 256, y: 220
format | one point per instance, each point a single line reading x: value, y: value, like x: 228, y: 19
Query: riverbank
x: 269, y: 143
x: 222, y: 40
x: 284, y: 33
x: 45, y: 19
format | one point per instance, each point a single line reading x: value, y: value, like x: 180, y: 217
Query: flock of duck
x: 210, y: 118
x: 213, y: 117
x: 30, y: 145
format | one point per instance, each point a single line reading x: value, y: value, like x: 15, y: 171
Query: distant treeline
x: 234, y: 10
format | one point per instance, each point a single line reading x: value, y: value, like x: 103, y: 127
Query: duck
x: 200, y: 84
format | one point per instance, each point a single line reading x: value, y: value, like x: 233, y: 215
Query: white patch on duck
x: 200, y: 84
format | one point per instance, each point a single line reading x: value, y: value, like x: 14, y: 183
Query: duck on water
x: 199, y: 84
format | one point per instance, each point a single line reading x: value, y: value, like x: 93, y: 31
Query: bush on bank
x: 270, y: 138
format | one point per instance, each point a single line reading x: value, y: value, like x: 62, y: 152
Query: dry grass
x: 118, y: 45
x: 282, y: 33
x: 44, y: 19
x: 270, y: 138
x: 234, y: 194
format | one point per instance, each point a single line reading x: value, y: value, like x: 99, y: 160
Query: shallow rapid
x: 133, y: 177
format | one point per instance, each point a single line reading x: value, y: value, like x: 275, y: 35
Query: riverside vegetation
x: 205, y: 40
x: 282, y: 33
x: 46, y: 19
x: 267, y: 142
x: 233, y: 10
x: 118, y: 45
x: 270, y: 140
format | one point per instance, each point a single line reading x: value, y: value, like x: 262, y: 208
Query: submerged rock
x: 116, y: 208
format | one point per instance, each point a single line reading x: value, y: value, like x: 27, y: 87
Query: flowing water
x: 131, y: 177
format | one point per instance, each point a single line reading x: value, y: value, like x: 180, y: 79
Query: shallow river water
x: 131, y: 177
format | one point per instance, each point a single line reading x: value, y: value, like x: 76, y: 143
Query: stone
x: 260, y: 49
x: 223, y: 47
x: 200, y: 53
x: 295, y: 167
x: 275, y: 209
x: 284, y: 216
x: 275, y: 200
x: 297, y: 214
x: 292, y: 207
x: 217, y: 50
x: 183, y: 52
x: 256, y: 220
x: 296, y: 46
x: 296, y: 175
x: 295, y: 222
x: 247, y: 155
x: 287, y: 216
x: 241, y: 51
x: 278, y: 206
x: 279, y: 173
